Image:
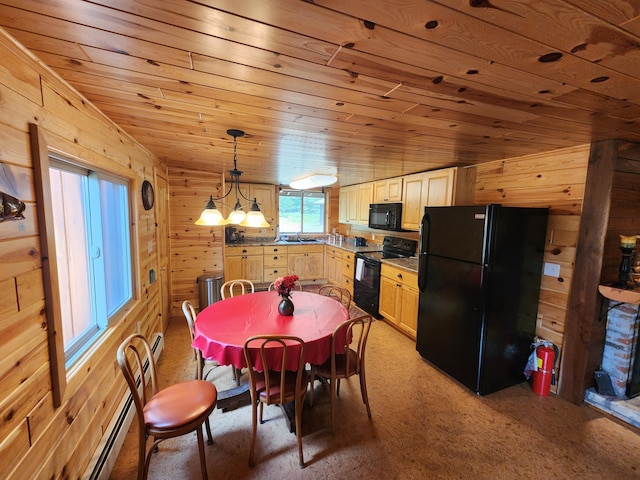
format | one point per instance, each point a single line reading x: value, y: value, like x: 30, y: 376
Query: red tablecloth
x: 222, y: 328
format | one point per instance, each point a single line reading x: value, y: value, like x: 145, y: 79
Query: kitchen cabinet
x: 445, y: 187
x: 265, y: 195
x: 399, y: 298
x: 306, y: 261
x: 333, y: 265
x: 275, y: 260
x: 389, y: 190
x: 348, y: 270
x: 348, y: 204
x: 244, y: 262
x: 365, y: 197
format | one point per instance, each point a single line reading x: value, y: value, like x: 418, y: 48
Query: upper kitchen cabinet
x: 348, y: 198
x: 265, y: 195
x: 389, y: 190
x: 365, y: 197
x: 449, y: 186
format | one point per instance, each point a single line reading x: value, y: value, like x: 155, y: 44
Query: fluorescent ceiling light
x: 313, y: 181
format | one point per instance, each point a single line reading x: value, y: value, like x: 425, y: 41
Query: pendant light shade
x: 254, y: 217
x: 211, y: 216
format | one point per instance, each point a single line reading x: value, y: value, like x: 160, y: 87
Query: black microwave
x: 385, y: 216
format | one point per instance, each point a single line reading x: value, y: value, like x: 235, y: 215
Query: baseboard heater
x: 109, y: 447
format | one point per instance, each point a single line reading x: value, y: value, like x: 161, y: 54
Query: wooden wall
x: 195, y: 249
x: 36, y: 439
x: 555, y: 180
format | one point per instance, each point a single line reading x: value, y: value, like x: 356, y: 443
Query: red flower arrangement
x: 284, y: 285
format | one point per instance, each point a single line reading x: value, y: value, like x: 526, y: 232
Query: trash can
x: 209, y: 289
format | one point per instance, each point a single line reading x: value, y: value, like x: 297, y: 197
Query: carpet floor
x: 424, y: 425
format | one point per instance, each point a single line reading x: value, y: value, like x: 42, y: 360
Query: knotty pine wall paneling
x: 194, y: 249
x: 36, y: 439
x: 554, y: 180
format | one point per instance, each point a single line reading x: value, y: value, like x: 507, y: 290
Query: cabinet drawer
x: 347, y: 268
x: 270, y: 274
x: 275, y: 250
x: 272, y: 260
x: 347, y: 282
x: 348, y: 256
x: 315, y: 248
x: 243, y: 250
x: 399, y: 275
x: 334, y: 251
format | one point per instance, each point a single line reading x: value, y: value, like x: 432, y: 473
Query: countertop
x: 346, y: 245
x: 410, y: 263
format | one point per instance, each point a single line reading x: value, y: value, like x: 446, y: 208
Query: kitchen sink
x: 301, y: 240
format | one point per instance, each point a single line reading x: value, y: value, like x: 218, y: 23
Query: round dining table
x: 222, y: 328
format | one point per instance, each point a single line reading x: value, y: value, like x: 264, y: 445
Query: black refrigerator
x: 479, y: 277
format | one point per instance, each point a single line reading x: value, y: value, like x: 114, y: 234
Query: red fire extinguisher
x: 544, y: 375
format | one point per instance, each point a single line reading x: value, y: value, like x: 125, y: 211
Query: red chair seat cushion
x: 180, y: 404
x: 274, y: 393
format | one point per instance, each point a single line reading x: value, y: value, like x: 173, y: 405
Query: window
x: 93, y: 251
x: 301, y: 211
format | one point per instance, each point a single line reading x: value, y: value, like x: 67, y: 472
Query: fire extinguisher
x: 544, y: 375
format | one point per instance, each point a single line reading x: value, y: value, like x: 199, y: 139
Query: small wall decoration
x: 10, y: 208
x: 147, y: 195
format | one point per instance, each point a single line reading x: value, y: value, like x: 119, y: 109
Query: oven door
x: 366, y: 285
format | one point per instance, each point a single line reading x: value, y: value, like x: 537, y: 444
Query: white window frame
x: 301, y: 194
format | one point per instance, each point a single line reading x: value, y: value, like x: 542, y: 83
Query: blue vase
x: 285, y: 307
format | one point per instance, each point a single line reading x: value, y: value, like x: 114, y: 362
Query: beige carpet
x: 424, y: 426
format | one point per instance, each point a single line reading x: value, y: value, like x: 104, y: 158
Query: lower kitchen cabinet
x: 306, y: 261
x: 244, y: 262
x: 399, y: 298
x: 276, y: 263
x: 333, y: 265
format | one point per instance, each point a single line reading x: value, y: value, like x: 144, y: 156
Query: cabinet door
x: 352, y: 203
x: 253, y: 268
x: 408, y: 316
x: 437, y: 189
x: 343, y: 206
x: 365, y: 196
x: 413, y: 207
x: 380, y: 191
x: 265, y: 195
x: 388, y: 299
x: 394, y: 189
x: 334, y: 269
x: 313, y: 266
x: 233, y: 267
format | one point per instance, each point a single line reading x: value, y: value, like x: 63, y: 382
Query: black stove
x: 366, y: 285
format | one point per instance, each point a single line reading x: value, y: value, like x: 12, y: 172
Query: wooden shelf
x: 620, y: 295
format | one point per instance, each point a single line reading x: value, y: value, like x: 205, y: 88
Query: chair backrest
x: 340, y: 294
x: 274, y: 352
x: 354, y: 333
x: 297, y: 285
x: 245, y: 286
x: 132, y: 355
x: 190, y: 315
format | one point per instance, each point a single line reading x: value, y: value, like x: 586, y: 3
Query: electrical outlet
x: 551, y: 269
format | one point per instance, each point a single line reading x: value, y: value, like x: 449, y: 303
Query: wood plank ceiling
x: 365, y: 89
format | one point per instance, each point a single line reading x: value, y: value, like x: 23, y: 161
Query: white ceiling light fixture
x: 315, y: 180
x: 211, y: 216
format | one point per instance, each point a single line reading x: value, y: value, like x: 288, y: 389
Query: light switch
x: 552, y: 269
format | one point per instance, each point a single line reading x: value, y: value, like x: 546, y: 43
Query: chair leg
x: 142, y: 457
x: 312, y: 379
x: 203, y: 461
x: 254, y: 430
x: 298, y: 407
x: 363, y: 391
x: 334, y: 393
x: 208, y: 426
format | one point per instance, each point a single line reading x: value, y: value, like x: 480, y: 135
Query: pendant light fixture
x: 212, y: 216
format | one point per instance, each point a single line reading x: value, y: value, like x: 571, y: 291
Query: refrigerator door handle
x: 422, y: 271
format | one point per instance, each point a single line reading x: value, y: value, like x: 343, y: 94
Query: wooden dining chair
x: 344, y: 365
x: 227, y: 289
x: 297, y: 285
x: 203, y: 366
x: 171, y: 412
x: 278, y: 385
x: 340, y: 294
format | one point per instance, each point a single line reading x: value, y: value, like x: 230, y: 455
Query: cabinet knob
x: 399, y: 275
x: 244, y: 251
x: 275, y: 258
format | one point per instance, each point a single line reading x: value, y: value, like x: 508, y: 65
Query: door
x: 450, y: 318
x: 162, y: 219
